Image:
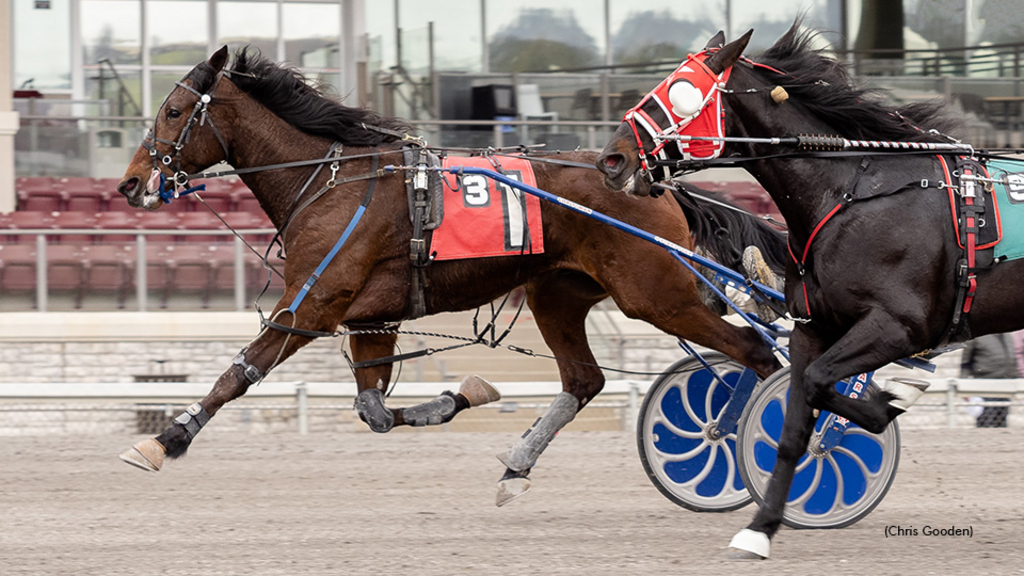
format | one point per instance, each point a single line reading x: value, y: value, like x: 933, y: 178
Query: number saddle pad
x: 1010, y: 201
x: 484, y: 218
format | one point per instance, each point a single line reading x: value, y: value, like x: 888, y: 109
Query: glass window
x: 311, y: 33
x: 178, y: 32
x: 380, y: 27
x: 111, y: 30
x: 770, y: 20
x: 457, y: 43
x: 42, y: 61
x: 124, y: 92
x: 662, y: 29
x: 248, y: 23
x: 538, y: 35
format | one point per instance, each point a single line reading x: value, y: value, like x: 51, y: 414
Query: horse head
x: 688, y: 102
x: 184, y: 138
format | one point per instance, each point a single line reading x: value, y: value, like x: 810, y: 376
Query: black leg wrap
x: 193, y: 419
x: 438, y: 411
x: 370, y: 406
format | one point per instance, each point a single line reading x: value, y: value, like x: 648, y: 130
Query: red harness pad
x: 486, y: 218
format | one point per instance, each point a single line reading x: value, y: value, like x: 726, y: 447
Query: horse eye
x: 172, y: 113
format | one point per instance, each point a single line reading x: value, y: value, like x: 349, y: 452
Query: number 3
x: 476, y: 194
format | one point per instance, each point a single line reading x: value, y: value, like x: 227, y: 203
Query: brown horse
x: 256, y: 113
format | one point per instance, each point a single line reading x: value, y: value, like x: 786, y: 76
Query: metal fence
x: 308, y: 408
x: 140, y: 285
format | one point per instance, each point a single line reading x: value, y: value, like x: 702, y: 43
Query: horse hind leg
x: 372, y: 382
x: 473, y: 391
x: 560, y: 305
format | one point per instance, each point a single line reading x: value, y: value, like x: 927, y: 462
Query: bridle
x: 200, y: 114
x: 694, y: 72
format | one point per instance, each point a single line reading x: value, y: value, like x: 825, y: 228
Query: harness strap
x: 967, y: 283
x: 801, y: 263
x: 337, y: 246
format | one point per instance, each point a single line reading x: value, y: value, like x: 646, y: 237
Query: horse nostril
x: 128, y: 186
x: 612, y: 161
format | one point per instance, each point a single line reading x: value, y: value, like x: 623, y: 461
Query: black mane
x: 284, y: 92
x: 823, y: 86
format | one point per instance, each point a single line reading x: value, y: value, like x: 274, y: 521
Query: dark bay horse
x: 879, y: 282
x: 256, y: 113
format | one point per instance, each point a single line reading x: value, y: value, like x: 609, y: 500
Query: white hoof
x: 148, y: 455
x: 478, y: 391
x: 749, y: 545
x: 509, y: 490
x: 907, y: 391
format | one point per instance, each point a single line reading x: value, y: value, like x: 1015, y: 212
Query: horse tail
x: 723, y: 230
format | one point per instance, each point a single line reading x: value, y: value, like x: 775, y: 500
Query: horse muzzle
x: 142, y: 196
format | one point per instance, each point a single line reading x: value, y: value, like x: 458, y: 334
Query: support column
x: 8, y: 117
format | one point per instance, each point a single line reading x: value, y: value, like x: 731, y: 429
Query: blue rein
x: 169, y: 193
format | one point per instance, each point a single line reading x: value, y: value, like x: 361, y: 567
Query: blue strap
x: 327, y: 260
x: 167, y: 193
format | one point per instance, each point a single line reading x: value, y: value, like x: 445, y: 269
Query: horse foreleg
x: 754, y: 541
x: 249, y: 367
x: 372, y: 382
x: 874, y: 341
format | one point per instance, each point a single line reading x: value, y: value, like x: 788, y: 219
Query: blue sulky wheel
x: 686, y: 463
x: 831, y: 489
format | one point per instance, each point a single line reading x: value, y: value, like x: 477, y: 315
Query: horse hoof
x: 748, y: 544
x: 478, y: 391
x: 148, y: 455
x: 907, y: 391
x: 737, y: 554
x: 510, y: 489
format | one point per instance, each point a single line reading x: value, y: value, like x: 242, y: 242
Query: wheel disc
x: 681, y: 457
x: 830, y: 489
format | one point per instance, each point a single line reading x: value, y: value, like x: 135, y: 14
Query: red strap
x: 807, y: 250
x: 970, y: 226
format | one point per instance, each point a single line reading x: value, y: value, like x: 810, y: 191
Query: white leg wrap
x: 750, y: 541
x: 523, y: 455
x: 907, y: 391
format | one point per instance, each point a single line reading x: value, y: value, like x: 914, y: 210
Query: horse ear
x: 716, y: 41
x: 729, y: 54
x: 219, y: 59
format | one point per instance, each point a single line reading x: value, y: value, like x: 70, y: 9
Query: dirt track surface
x: 423, y: 504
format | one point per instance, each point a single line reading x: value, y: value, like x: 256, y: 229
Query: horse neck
x: 261, y: 138
x: 804, y: 189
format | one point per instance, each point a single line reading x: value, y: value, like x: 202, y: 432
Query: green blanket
x: 1011, y: 207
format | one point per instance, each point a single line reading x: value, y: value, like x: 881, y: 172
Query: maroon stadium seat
x: 115, y: 221
x: 110, y: 268
x: 41, y: 200
x: 191, y: 269
x: 74, y: 220
x: 17, y: 267
x: 159, y: 270
x: 65, y: 271
x: 159, y: 220
x: 29, y: 221
x: 201, y: 221
x: 90, y: 200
